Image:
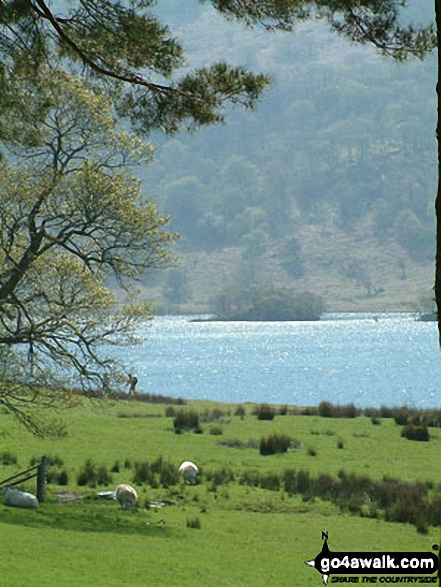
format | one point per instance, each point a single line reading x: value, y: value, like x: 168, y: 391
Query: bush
x: 194, y: 523
x: 240, y: 411
x: 289, y: 481
x: 187, y: 420
x: 325, y: 410
x: 328, y: 410
x: 274, y: 443
x: 63, y: 478
x: 401, y: 416
x: 221, y: 476
x: 93, y: 475
x: 7, y: 458
x: 415, y: 432
x: 265, y: 412
x: 143, y: 473
x: 270, y: 481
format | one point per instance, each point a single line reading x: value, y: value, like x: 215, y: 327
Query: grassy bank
x: 243, y: 524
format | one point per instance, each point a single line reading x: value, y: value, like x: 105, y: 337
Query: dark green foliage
x: 237, y: 443
x: 187, y: 420
x: 194, y: 523
x: 93, y: 475
x: 274, y: 443
x: 240, y: 411
x: 143, y: 474
x: 303, y: 482
x: 7, y: 458
x: 267, y: 304
x: 216, y: 431
x: 221, y: 476
x: 415, y: 432
x: 325, y: 409
x: 57, y: 477
x: 289, y: 481
x: 264, y: 412
x: 328, y: 410
x: 270, y: 481
x: 401, y: 416
x: 158, y: 473
x: 63, y: 477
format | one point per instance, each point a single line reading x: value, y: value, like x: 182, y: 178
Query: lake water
x: 370, y: 360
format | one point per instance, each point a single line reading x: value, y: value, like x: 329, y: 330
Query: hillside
x: 340, y: 267
x: 328, y: 186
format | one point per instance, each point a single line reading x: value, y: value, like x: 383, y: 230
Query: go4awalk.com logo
x: 363, y: 565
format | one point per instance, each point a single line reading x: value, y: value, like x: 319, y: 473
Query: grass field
x: 244, y: 534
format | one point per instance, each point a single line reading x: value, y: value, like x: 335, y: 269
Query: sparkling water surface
x: 367, y: 359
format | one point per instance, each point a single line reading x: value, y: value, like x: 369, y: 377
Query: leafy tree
x: 71, y: 218
x: 128, y: 51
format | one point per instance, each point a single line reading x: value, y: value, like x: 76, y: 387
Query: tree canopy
x: 72, y: 220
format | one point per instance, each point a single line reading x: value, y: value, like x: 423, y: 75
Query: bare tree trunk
x: 438, y: 196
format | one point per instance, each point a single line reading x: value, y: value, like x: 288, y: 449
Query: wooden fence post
x: 41, y: 480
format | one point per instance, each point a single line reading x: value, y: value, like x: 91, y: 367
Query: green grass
x: 248, y: 536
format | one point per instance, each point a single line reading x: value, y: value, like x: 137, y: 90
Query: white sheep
x: 189, y: 472
x: 19, y: 499
x: 126, y: 495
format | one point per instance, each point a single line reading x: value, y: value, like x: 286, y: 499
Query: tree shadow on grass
x: 87, y: 516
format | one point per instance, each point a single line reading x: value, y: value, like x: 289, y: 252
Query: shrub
x: 265, y: 412
x: 194, y: 523
x: 216, y: 431
x: 240, y: 411
x: 415, y: 432
x: 303, y: 482
x: 401, y: 416
x: 289, y: 481
x: 250, y: 478
x: 270, y: 481
x: 143, y: 473
x: 325, y: 410
x: 187, y: 420
x: 92, y: 475
x: 312, y: 452
x: 274, y: 443
x: 221, y: 476
x: 340, y: 444
x: 7, y: 458
x: 63, y: 478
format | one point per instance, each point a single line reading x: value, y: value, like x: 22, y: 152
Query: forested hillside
x: 328, y: 186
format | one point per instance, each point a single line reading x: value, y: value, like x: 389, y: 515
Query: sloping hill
x: 351, y: 271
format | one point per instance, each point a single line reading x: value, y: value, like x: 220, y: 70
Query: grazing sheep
x: 188, y: 471
x: 126, y: 496
x: 19, y: 499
